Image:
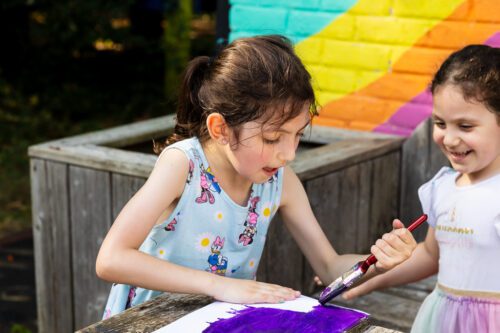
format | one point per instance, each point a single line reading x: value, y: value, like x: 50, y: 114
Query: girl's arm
x: 120, y: 261
x: 422, y: 263
x: 392, y: 249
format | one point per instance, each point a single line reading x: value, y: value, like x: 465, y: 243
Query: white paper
x: 200, y: 319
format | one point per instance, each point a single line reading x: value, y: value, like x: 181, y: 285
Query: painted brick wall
x: 371, y: 61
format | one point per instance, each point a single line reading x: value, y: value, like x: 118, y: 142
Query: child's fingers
x: 402, y: 232
x: 397, y: 224
x: 384, y: 261
x: 318, y: 281
x: 398, y: 244
x: 406, y: 236
x: 277, y: 293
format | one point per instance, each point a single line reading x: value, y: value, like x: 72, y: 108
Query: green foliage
x: 68, y: 67
x: 18, y: 328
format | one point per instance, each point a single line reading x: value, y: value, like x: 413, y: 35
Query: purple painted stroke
x: 410, y: 115
x: 320, y: 319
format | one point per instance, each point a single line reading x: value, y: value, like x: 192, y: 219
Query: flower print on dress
x: 266, y: 211
x: 246, y: 237
x: 208, y: 185
x: 217, y: 263
x: 203, y: 242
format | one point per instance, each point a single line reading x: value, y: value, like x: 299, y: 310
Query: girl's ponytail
x: 252, y: 79
x: 190, y: 113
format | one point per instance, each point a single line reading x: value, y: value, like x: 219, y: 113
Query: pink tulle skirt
x: 445, y: 312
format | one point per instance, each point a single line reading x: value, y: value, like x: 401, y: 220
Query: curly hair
x: 475, y: 69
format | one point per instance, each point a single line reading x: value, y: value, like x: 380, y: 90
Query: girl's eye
x: 439, y: 124
x: 271, y: 141
x: 466, y: 127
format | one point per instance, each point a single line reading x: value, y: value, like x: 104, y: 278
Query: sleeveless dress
x: 466, y: 221
x: 207, y: 230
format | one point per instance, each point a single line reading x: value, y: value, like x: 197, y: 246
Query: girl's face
x: 467, y: 133
x: 262, y: 148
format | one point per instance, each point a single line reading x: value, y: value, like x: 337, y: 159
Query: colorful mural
x: 372, y: 61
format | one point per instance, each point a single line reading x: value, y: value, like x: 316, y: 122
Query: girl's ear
x: 217, y: 128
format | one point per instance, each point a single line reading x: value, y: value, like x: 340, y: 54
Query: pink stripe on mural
x: 407, y: 117
x: 404, y: 121
x: 493, y: 41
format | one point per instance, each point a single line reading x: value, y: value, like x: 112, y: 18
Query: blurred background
x: 69, y: 67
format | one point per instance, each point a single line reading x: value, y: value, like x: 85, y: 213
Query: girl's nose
x: 287, y: 152
x: 451, y: 139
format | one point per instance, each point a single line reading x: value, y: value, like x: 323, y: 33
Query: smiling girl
x: 463, y: 241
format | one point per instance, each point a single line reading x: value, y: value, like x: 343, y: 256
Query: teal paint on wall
x: 258, y: 17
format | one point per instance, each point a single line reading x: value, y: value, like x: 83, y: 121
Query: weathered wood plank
x: 383, y: 200
x: 338, y: 155
x: 90, y: 199
x: 101, y: 158
x: 326, y: 134
x: 52, y: 244
x: 118, y: 136
x: 283, y: 260
x: 319, y: 190
x: 421, y: 159
x: 123, y: 188
x: 151, y: 315
x: 364, y: 218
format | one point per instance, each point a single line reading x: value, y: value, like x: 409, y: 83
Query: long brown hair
x: 251, y: 78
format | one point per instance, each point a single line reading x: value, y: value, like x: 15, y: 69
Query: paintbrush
x: 346, y: 280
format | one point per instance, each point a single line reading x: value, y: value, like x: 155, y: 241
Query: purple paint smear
x: 266, y: 320
x: 407, y: 117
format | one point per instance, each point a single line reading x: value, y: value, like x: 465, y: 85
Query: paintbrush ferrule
x: 343, y: 282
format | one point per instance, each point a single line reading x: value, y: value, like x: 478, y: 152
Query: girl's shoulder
x: 190, y: 147
x: 443, y: 175
x: 427, y: 192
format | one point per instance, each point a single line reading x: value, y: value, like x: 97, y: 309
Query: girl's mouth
x: 459, y: 155
x: 270, y: 171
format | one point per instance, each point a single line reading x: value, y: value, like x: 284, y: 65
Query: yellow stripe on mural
x: 448, y: 33
x: 385, y: 61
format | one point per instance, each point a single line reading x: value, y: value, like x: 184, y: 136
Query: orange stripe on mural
x: 412, y: 72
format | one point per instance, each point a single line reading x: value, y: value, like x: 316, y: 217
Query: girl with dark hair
x: 463, y: 240
x: 199, y: 223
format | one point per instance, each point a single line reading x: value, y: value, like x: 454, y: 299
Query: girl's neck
x: 235, y: 186
x: 489, y: 171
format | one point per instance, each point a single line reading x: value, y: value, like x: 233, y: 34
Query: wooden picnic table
x: 166, y: 308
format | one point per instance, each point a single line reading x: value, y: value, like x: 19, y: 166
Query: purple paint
x: 320, y: 319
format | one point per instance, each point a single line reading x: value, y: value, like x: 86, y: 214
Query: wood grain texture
x: 52, y: 244
x: 421, y: 159
x: 90, y: 200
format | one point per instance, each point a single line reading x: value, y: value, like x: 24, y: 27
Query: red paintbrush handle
x: 371, y: 259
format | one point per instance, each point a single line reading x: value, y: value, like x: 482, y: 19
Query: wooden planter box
x: 357, y: 183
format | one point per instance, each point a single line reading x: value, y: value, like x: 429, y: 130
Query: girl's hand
x: 393, y: 248
x: 250, y: 291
